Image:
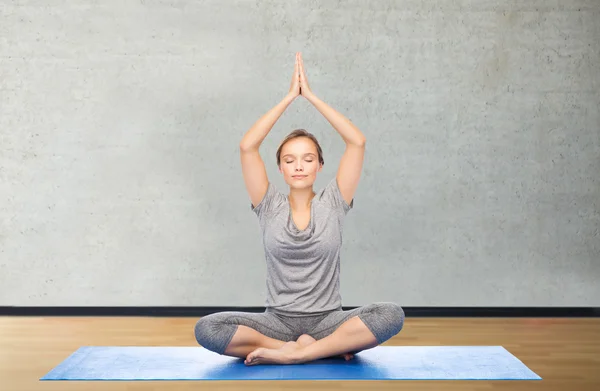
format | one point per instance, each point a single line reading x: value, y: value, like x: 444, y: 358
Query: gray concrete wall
x: 120, y: 180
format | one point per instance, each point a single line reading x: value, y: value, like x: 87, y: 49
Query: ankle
x: 298, y: 356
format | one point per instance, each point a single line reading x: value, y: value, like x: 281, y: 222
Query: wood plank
x: 565, y: 352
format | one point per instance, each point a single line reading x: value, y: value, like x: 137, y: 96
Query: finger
x: 296, y: 69
x: 301, y: 65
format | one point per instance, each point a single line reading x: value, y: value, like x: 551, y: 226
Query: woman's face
x: 299, y: 162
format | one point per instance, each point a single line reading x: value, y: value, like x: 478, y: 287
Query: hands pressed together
x: 299, y: 84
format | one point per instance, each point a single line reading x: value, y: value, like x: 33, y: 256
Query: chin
x: 306, y: 183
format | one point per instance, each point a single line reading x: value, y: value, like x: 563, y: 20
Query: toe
x: 250, y: 357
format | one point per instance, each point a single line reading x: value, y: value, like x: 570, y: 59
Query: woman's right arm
x: 253, y: 167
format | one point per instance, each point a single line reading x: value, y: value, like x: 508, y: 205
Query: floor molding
x: 522, y: 312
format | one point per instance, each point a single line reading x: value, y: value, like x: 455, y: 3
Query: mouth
x: 299, y: 176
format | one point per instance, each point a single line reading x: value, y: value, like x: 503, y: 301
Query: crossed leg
x: 290, y: 347
x: 344, y: 332
x: 351, y: 336
x: 263, y: 338
x: 246, y: 340
x: 237, y: 334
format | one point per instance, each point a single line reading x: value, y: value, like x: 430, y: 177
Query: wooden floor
x: 564, y: 352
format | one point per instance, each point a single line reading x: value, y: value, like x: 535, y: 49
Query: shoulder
x: 331, y: 196
x: 272, y: 200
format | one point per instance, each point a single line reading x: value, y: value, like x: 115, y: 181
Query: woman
x: 302, y: 237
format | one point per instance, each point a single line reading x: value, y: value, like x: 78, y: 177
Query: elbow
x: 245, y: 147
x: 356, y: 142
x: 361, y: 142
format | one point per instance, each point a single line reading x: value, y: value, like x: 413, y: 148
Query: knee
x: 201, y: 330
x: 207, y: 331
x: 392, y: 315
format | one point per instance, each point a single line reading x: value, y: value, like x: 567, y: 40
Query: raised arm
x: 253, y: 167
x: 351, y: 163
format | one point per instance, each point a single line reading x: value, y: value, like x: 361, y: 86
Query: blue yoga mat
x: 379, y: 363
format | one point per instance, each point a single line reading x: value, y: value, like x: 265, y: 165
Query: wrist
x: 309, y: 96
x: 289, y: 97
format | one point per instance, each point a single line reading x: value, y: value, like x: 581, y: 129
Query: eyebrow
x: 306, y: 154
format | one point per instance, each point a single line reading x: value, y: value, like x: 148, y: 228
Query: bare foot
x: 305, y: 340
x: 287, y: 354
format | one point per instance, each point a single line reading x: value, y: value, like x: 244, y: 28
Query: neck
x: 300, y: 198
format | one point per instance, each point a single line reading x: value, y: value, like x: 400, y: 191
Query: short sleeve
x: 271, y: 200
x: 332, y: 197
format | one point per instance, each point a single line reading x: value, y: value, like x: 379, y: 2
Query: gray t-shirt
x: 303, y: 266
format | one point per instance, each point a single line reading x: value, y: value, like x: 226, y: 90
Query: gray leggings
x: 215, y: 331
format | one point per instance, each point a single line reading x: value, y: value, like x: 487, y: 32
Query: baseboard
x: 521, y: 312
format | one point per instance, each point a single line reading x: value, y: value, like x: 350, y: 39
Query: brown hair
x: 300, y: 133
